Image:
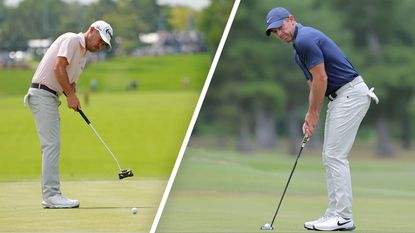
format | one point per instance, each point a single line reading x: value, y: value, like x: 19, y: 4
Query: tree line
x: 33, y: 19
x: 258, y: 94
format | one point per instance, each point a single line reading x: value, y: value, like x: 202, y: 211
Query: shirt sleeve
x: 67, y: 48
x: 310, y: 53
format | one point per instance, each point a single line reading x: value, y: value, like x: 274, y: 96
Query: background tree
x: 212, y: 22
x: 30, y: 20
x: 255, y: 73
x: 383, y: 41
x: 258, y: 80
x: 244, y: 82
x: 181, y: 18
x: 128, y: 18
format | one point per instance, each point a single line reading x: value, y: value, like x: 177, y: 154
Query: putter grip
x: 83, y: 116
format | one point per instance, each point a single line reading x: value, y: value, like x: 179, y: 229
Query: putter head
x: 267, y: 226
x: 125, y: 173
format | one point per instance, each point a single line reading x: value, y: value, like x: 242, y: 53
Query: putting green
x: 221, y: 191
x: 105, y: 206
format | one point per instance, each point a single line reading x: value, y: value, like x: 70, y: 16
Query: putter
x: 268, y: 226
x: 122, y: 173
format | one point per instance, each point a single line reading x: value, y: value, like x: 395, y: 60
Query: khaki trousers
x: 344, y: 115
x: 44, y: 107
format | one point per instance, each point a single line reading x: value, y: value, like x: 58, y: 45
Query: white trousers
x: 44, y: 106
x: 344, y: 115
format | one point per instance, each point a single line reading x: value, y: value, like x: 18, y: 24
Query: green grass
x: 222, y: 191
x: 105, y: 206
x: 159, y: 73
x: 144, y: 130
x: 152, y: 73
x: 15, y: 81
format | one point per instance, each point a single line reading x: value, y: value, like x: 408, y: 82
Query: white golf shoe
x: 310, y: 225
x: 59, y: 201
x: 335, y: 224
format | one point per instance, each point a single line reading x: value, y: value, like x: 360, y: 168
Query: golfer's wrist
x: 70, y: 94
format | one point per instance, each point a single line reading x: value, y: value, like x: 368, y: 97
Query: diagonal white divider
x: 195, y: 115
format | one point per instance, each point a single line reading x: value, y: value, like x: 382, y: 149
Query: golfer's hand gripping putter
x: 306, y: 138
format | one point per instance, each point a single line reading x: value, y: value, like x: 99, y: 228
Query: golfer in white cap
x: 57, y: 74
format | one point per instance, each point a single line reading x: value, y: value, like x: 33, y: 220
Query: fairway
x: 221, y: 191
x: 105, y: 206
x: 144, y: 130
x: 158, y: 73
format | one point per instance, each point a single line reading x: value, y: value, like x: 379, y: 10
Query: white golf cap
x: 105, y: 30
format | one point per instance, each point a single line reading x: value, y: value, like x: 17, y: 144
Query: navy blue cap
x: 275, y: 17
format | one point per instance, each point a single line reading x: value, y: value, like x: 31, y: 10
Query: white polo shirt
x: 72, y: 47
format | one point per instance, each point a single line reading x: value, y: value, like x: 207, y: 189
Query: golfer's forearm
x: 316, y: 98
x: 317, y: 88
x: 63, y: 79
x: 73, y: 86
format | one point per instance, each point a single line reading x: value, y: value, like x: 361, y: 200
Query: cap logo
x: 108, y: 32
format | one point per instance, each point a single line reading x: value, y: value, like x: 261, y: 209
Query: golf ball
x: 134, y: 210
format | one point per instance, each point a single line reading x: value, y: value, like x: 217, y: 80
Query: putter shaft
x: 99, y: 137
x: 304, y: 141
x: 115, y: 159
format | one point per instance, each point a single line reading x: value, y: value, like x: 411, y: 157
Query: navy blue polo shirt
x: 312, y: 47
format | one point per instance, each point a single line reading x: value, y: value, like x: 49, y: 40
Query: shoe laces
x: 61, y: 197
x: 325, y: 217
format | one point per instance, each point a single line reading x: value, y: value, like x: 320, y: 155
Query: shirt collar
x: 298, y: 26
x: 83, y: 43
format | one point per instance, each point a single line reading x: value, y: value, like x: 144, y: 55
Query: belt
x: 43, y: 87
x: 352, y: 83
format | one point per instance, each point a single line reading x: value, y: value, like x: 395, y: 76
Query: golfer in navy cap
x: 328, y: 73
